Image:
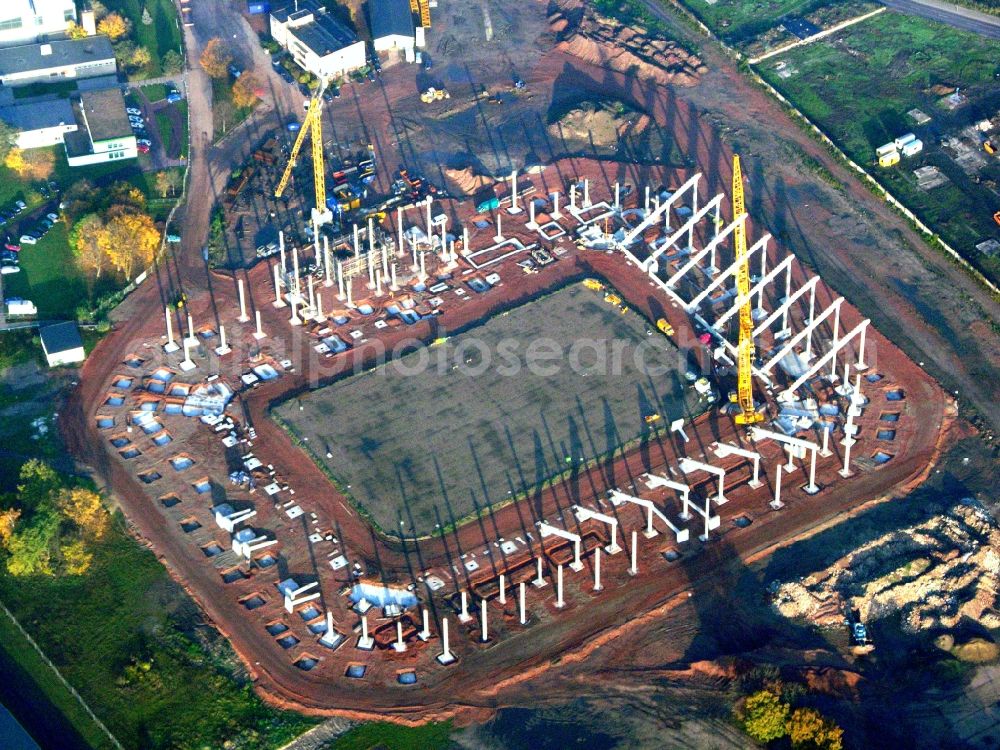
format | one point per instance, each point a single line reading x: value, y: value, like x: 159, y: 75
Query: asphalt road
x: 965, y: 19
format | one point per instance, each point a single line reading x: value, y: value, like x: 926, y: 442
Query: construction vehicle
x: 664, y: 327
x: 434, y: 95
x: 490, y: 204
x: 989, y: 148
x: 612, y: 299
x: 745, y: 353
x: 313, y: 124
x: 651, y: 418
x: 594, y: 284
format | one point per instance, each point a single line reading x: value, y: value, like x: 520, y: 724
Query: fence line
x: 70, y: 688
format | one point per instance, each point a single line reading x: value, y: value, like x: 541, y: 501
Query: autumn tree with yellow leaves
x: 75, y: 31
x: 245, y: 90
x: 36, y: 164
x: 114, y: 26
x: 125, y: 239
x: 129, y: 242
x: 215, y: 58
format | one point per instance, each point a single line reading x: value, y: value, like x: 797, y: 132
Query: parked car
x: 294, y: 126
x: 142, y: 148
x: 234, y: 70
x: 6, y: 267
x: 144, y: 142
x: 52, y: 216
x: 46, y: 222
x: 133, y: 110
x: 174, y: 96
x: 265, y: 251
x: 21, y: 205
x: 9, y: 244
x: 28, y: 239
x: 8, y: 255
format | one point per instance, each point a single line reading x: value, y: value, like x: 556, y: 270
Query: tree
x: 141, y: 57
x: 75, y: 31
x: 124, y: 52
x: 84, y: 508
x: 37, y: 164
x: 167, y: 181
x: 124, y: 196
x: 130, y: 241
x: 8, y: 522
x: 114, y: 26
x: 807, y: 728
x: 30, y: 546
x: 172, y: 62
x: 86, y: 239
x: 37, y: 483
x: 245, y: 90
x: 76, y: 558
x: 215, y: 58
x: 8, y: 134
x: 14, y: 161
x: 147, y: 20
x: 764, y: 715
x: 79, y: 199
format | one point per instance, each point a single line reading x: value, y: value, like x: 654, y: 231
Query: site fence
x: 63, y: 680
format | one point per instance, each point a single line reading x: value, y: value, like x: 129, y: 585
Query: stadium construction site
x: 383, y: 537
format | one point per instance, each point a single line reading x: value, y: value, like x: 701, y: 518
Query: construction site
x: 430, y: 448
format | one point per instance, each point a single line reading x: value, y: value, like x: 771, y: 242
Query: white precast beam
x: 759, y: 433
x: 711, y: 522
x: 687, y: 465
x: 617, y: 498
x: 726, y: 449
x: 765, y: 324
x: 686, y: 227
x: 653, y: 217
x: 792, y: 342
x: 655, y: 481
x: 697, y: 257
x: 818, y: 365
x: 731, y: 270
x: 585, y: 514
x: 756, y: 288
x: 547, y: 529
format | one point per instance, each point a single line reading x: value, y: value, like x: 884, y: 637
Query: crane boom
x: 745, y: 352
x: 313, y: 125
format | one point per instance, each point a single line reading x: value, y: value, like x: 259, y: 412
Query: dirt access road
x: 924, y: 303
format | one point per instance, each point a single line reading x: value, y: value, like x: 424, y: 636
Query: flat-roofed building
x: 62, y: 344
x: 104, y: 132
x: 392, y: 27
x: 40, y: 124
x: 24, y: 21
x: 57, y: 61
x: 318, y: 42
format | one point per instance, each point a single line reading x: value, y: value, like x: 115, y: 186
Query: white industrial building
x: 24, y: 21
x: 319, y: 43
x: 40, y: 124
x: 61, y: 60
x: 104, y: 132
x: 62, y: 344
x: 392, y: 27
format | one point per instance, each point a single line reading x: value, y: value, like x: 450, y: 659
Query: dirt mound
x: 466, y: 181
x: 603, y: 41
x: 602, y: 124
x: 976, y: 651
x: 935, y: 574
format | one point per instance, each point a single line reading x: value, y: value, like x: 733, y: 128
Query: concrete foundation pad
x: 171, y: 348
x: 446, y: 659
x: 366, y: 644
x: 222, y: 350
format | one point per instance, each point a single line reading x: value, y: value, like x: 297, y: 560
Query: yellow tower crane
x: 745, y: 353
x: 313, y: 124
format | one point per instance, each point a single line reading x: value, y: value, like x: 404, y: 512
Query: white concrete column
x: 327, y: 270
x: 464, y: 615
x: 340, y: 280
x: 392, y: 278
x: 498, y: 237
x: 370, y: 258
x: 171, y: 345
x: 365, y: 642
x: 312, y: 293
x: 597, y: 570
x: 634, y: 570
x: 319, y: 317
x: 445, y: 657
x: 586, y: 192
x: 399, y: 229
x: 485, y: 624
x: 861, y: 364
x: 646, y: 202
x: 223, y: 347
x: 776, y: 502
x: 259, y: 333
x: 191, y: 337
x: 825, y: 450
x: 559, y: 587
x: 539, y: 581
x: 846, y: 471
x: 350, y: 293
x: 513, y: 191
x: 465, y: 241
x: 357, y: 243
x: 278, y: 302
x: 294, y: 320
x: 400, y: 645
x: 556, y: 213
x: 532, y: 224
x: 378, y: 283
x: 422, y: 276
x: 430, y: 228
x: 503, y: 589
x: 812, y: 488
x: 243, y: 302
x: 413, y: 249
x: 577, y: 564
x: 618, y: 202
x: 425, y: 634
x: 296, y: 278
x: 186, y: 363
x: 521, y: 604
x: 572, y: 197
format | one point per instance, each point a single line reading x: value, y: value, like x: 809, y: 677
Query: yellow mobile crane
x: 745, y: 353
x: 313, y: 124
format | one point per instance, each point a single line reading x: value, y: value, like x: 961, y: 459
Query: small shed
x: 62, y: 344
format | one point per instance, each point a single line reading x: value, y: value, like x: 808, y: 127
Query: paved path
x: 965, y: 19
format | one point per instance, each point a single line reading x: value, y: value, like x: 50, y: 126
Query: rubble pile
x: 935, y: 574
x: 466, y: 181
x: 598, y: 124
x: 603, y: 41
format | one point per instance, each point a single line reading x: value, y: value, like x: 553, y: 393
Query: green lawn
x: 225, y: 114
x: 47, y: 688
x: 137, y: 650
x: 394, y: 737
x: 155, y: 92
x: 859, y: 85
x: 162, y: 35
x: 738, y: 20
x: 49, y: 277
